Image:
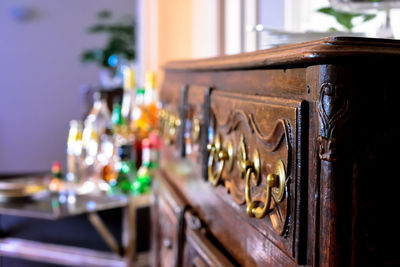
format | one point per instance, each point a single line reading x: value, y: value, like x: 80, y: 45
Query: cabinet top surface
x: 323, y: 51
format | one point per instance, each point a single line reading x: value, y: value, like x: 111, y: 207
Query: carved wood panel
x: 264, y: 134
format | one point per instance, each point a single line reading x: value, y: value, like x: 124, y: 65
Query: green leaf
x: 97, y: 28
x: 368, y: 17
x: 116, y: 29
x: 326, y: 10
x: 345, y: 18
x: 120, y: 39
x: 92, y: 55
x: 104, y: 14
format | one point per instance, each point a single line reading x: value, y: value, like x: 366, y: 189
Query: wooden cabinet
x: 278, y: 153
x: 200, y: 250
x: 168, y: 212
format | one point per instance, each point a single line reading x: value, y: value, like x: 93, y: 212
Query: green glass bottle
x: 120, y: 126
x: 116, y: 116
x: 127, y: 174
x: 143, y: 183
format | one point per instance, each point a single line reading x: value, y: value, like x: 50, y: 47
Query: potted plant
x: 118, y: 49
x: 346, y: 19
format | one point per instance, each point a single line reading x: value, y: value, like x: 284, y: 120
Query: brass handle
x: 168, y: 124
x: 275, y: 182
x: 172, y: 124
x: 218, y: 154
x: 166, y: 120
x: 275, y: 190
x: 162, y: 118
x: 195, y: 130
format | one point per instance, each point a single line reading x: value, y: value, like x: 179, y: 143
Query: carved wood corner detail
x: 333, y: 110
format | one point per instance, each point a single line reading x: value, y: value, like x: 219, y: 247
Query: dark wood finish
x: 323, y: 51
x: 319, y: 107
x: 168, y: 219
x: 224, y: 220
x: 259, y: 121
x: 199, y: 249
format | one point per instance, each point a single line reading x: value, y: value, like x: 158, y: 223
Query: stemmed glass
x: 385, y: 31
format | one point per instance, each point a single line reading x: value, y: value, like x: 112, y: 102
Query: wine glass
x: 385, y: 31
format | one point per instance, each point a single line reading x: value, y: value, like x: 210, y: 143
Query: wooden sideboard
x: 280, y: 157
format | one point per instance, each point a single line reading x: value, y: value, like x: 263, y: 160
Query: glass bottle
x: 129, y: 93
x: 74, y: 152
x: 151, y: 98
x: 106, y: 156
x: 120, y: 126
x: 96, y: 125
x: 90, y: 142
x: 155, y: 149
x: 143, y: 183
x: 56, y: 183
x: 127, y: 172
x: 116, y: 116
x: 100, y: 114
x: 140, y: 121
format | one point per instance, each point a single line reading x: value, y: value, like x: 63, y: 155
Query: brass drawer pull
x: 275, y: 182
x: 168, y: 125
x: 195, y: 134
x: 172, y: 125
x: 218, y: 154
x: 162, y: 118
x: 275, y: 190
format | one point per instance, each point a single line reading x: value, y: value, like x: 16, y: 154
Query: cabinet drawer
x: 254, y: 160
x: 168, y: 223
x: 195, y: 106
x: 199, y: 250
x: 171, y: 117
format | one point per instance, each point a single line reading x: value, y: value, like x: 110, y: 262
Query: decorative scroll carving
x: 233, y: 121
x: 272, y: 142
x: 333, y: 107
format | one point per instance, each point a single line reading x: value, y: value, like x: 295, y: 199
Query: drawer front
x: 254, y: 160
x: 171, y: 117
x: 193, y: 121
x: 199, y: 250
x: 195, y: 131
x: 167, y: 213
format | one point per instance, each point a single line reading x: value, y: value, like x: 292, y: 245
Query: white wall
x: 41, y: 75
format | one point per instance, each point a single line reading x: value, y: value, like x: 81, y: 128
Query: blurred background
x: 43, y: 80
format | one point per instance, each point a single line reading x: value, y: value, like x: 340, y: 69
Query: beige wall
x: 174, y: 30
x: 179, y: 29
